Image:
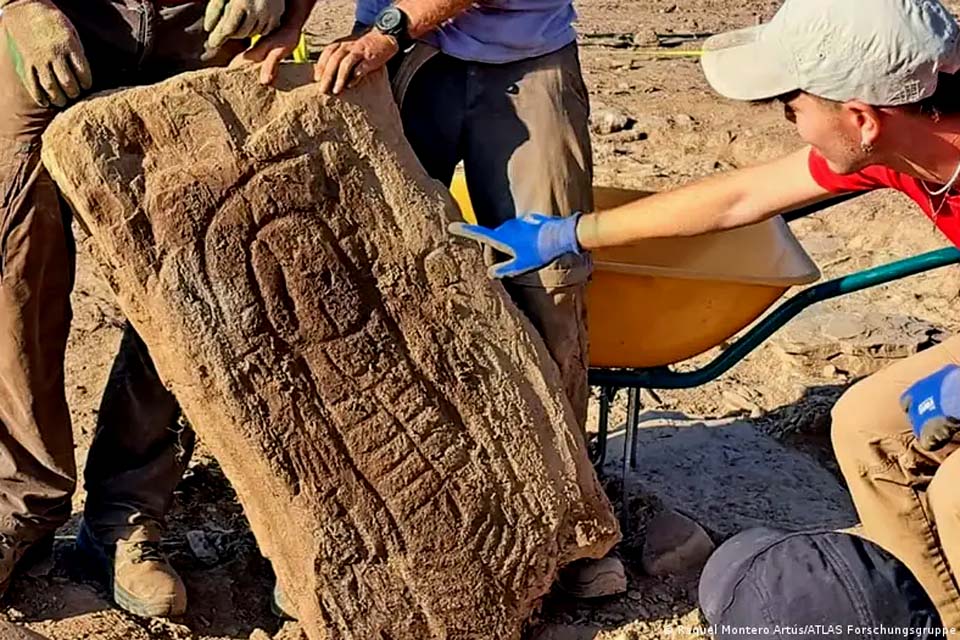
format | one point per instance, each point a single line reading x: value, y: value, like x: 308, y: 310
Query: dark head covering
x: 774, y: 584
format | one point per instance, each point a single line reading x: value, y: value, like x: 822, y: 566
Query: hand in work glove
x: 46, y: 51
x: 236, y: 19
x: 933, y: 406
x: 534, y: 240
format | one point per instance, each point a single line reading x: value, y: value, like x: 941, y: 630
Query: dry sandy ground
x: 681, y: 131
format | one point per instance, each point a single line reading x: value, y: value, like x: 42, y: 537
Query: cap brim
x: 743, y: 65
x: 727, y: 567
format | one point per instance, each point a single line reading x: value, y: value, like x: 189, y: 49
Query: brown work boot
x: 19, y: 551
x: 590, y: 578
x: 142, y: 580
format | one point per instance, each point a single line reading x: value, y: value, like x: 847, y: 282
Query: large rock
x: 395, y: 429
x: 9, y: 631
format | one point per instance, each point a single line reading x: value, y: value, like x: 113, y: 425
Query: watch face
x: 389, y: 20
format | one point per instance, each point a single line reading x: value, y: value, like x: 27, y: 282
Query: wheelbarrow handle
x: 816, y: 207
x: 666, y: 378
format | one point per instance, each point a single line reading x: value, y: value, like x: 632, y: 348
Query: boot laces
x: 147, y: 551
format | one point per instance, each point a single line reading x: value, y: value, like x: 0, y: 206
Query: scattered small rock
x: 260, y: 634
x: 16, y: 615
x: 647, y: 38
x: 607, y: 121
x: 203, y: 547
x: 675, y: 545
x: 855, y: 343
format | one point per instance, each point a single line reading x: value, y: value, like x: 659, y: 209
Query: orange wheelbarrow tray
x: 661, y: 302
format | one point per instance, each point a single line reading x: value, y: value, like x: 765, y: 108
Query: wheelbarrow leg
x: 629, y: 437
x: 607, y: 394
x: 635, y: 437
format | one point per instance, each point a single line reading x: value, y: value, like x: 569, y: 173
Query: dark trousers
x: 139, y: 451
x: 521, y: 130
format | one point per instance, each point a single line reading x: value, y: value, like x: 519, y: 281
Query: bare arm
x: 345, y: 62
x: 724, y: 201
x: 426, y: 15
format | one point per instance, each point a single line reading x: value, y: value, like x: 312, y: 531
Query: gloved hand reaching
x: 933, y: 407
x: 46, y: 51
x: 534, y: 240
x: 236, y: 19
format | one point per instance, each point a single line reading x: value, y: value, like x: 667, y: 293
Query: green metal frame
x: 612, y: 380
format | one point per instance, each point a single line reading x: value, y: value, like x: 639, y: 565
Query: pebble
x: 675, y: 545
x: 202, y: 547
x: 607, y: 121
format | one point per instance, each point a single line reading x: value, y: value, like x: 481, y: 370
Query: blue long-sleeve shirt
x: 496, y: 31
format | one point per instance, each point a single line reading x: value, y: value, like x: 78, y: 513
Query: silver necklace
x: 940, y: 192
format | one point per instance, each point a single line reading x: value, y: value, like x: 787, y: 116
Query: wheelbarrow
x: 661, y: 302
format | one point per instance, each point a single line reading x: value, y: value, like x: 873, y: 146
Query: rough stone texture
x: 674, y: 544
x: 394, y: 428
x: 9, y: 631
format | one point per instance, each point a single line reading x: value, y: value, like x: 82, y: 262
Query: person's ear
x: 867, y: 120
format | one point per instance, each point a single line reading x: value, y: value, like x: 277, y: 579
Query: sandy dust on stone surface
x: 680, y: 131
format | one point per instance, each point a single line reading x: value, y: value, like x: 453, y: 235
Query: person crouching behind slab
x: 766, y: 583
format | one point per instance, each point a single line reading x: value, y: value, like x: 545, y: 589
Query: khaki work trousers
x: 522, y: 132
x: 908, y: 499
x: 139, y: 451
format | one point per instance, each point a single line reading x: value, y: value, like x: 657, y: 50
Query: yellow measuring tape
x: 299, y: 54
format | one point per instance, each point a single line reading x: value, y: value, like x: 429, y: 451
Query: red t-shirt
x: 878, y: 177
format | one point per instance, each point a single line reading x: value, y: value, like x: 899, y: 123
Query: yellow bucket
x: 664, y: 301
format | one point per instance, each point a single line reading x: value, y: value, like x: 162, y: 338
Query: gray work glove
x: 46, y: 51
x: 237, y: 19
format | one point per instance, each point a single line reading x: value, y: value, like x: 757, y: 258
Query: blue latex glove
x: 933, y: 406
x: 533, y: 240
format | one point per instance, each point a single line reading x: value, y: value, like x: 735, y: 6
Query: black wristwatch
x: 394, y: 22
